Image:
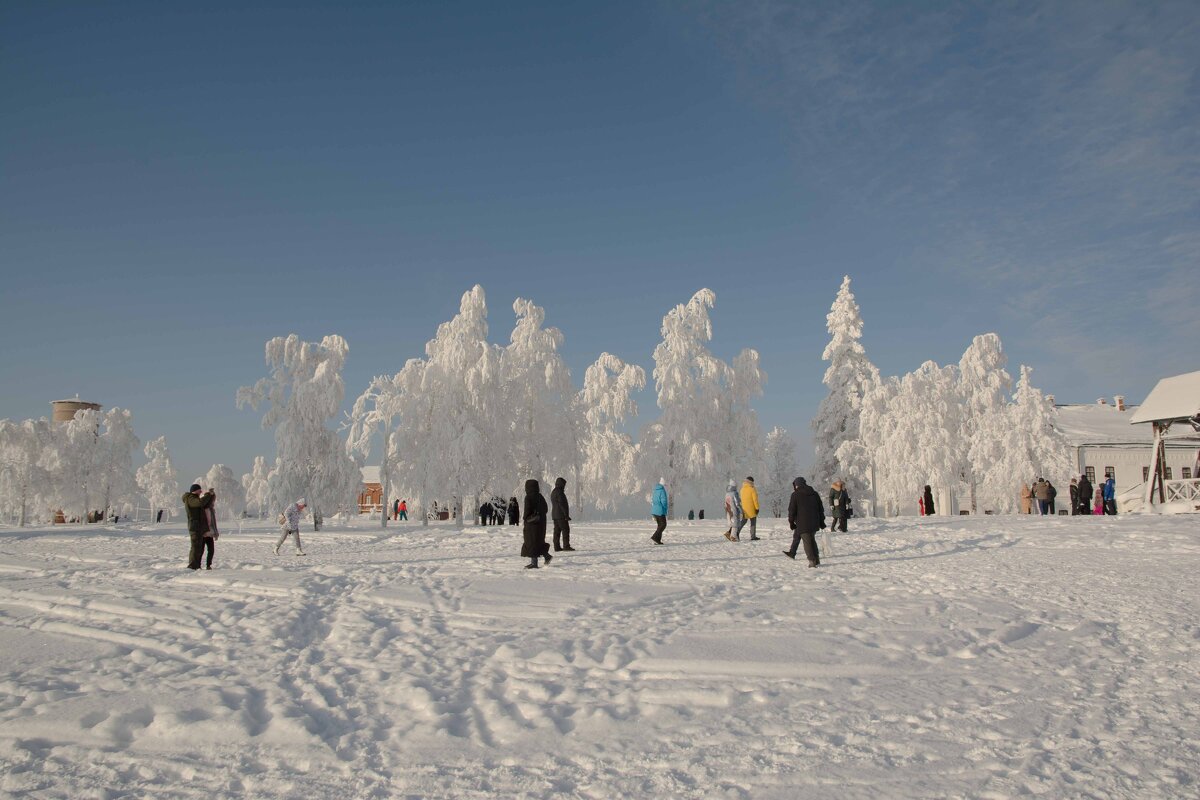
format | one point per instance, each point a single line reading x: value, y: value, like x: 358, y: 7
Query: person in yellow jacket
x: 749, y: 510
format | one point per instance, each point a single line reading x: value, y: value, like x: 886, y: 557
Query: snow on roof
x: 1172, y: 398
x: 370, y: 474
x: 1097, y: 424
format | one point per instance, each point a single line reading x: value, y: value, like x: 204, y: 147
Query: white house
x: 1105, y: 442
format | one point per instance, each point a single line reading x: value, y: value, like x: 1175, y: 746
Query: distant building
x: 1105, y: 442
x: 65, y: 410
x: 370, y: 499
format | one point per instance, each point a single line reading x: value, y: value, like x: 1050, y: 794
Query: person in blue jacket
x: 1110, y: 496
x: 658, y: 510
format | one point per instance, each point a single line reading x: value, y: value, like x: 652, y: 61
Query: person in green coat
x: 197, y: 505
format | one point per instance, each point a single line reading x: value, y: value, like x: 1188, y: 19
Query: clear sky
x: 181, y: 182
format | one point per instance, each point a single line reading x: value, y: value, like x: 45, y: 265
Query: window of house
x: 1145, y: 474
x: 1091, y: 473
x: 1167, y: 473
x: 1186, y: 473
x: 1110, y: 472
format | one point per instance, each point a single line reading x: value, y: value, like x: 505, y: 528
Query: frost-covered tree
x: 446, y: 444
x: 257, y: 487
x: 907, y: 436
x: 24, y: 478
x: 608, y: 469
x: 231, y: 497
x: 303, y: 393
x: 983, y: 386
x: 1033, y: 446
x: 114, y: 474
x: 375, y: 412
x: 780, y: 459
x: 538, y: 399
x: 849, y: 376
x: 694, y: 441
x: 157, y: 478
x: 72, y: 463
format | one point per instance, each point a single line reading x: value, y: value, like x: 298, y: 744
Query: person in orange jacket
x: 749, y: 510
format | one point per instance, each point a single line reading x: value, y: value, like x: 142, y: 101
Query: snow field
x: 980, y: 657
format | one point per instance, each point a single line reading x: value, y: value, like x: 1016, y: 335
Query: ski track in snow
x: 989, y: 657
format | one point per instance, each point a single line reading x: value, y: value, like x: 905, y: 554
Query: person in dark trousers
x: 1085, y: 494
x: 534, y: 532
x: 560, y: 512
x: 1051, y: 493
x: 658, y: 510
x: 1110, y: 496
x: 212, y: 534
x: 1074, y: 497
x: 839, y: 506
x: 514, y: 511
x: 196, y: 504
x: 929, y: 512
x: 806, y: 516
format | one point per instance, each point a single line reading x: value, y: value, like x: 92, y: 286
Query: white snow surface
x: 934, y: 657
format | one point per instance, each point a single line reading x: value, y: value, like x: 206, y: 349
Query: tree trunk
x: 384, y: 484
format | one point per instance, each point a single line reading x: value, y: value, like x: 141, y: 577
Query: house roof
x: 1172, y: 398
x: 1093, y: 423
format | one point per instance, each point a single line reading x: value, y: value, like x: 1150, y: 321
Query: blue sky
x: 180, y: 183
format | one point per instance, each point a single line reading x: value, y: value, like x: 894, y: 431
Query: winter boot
x: 729, y: 536
x: 568, y: 549
x: 790, y: 554
x: 548, y: 557
x: 533, y: 565
x: 276, y: 549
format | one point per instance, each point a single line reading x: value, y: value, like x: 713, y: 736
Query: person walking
x: 1026, y: 499
x: 396, y: 509
x: 197, y: 504
x: 212, y: 534
x: 560, y: 512
x: 1051, y: 493
x: 1110, y: 496
x: 1098, y: 507
x: 1085, y: 494
x: 291, y: 525
x: 1074, y: 488
x: 658, y: 510
x: 927, y: 501
x: 402, y: 510
x: 514, y: 511
x: 806, y: 516
x: 839, y: 506
x: 534, y: 532
x: 749, y: 510
x: 733, y: 510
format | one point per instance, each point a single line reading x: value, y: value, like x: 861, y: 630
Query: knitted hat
x: 195, y: 487
x: 300, y: 502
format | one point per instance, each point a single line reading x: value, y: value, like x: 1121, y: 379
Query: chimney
x: 1119, y: 400
x: 1102, y: 401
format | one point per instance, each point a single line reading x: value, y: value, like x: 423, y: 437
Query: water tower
x: 65, y: 410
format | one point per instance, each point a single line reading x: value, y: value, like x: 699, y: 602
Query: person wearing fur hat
x: 806, y: 516
x: 197, y: 505
x: 733, y: 510
x: 291, y: 525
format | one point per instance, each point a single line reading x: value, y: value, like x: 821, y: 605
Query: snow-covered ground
x: 945, y: 657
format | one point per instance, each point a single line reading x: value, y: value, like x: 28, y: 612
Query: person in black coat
x: 929, y: 512
x: 560, y: 512
x: 806, y: 516
x: 514, y: 511
x: 1085, y: 494
x: 535, y: 525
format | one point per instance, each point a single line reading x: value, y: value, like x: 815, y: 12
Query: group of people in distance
x: 1039, y: 497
